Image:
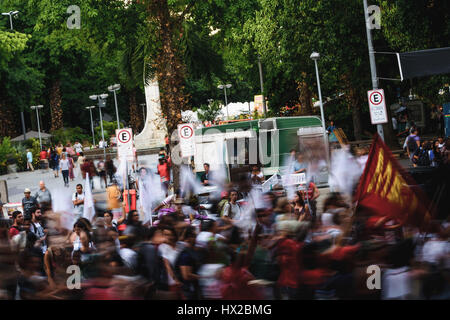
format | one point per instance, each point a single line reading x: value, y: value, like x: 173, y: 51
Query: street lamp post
x: 315, y: 56
x: 92, y: 124
x: 262, y: 86
x: 114, y: 88
x: 225, y: 87
x: 38, y: 123
x: 10, y: 14
x: 101, y: 104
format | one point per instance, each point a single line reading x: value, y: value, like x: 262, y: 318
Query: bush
x: 109, y: 129
x: 17, y: 154
x: 64, y: 135
x: 7, y: 151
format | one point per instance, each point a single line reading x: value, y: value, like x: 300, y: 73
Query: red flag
x: 386, y: 189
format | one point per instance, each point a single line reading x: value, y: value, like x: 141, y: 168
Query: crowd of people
x: 424, y: 153
x: 282, y: 248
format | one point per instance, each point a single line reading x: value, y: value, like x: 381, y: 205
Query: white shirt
x: 235, y: 211
x: 209, y: 281
x: 434, y: 251
x: 129, y: 257
x: 171, y: 254
x: 394, y: 123
x: 78, y: 147
x: 205, y: 236
x: 64, y: 164
x: 396, y: 284
x: 79, y: 208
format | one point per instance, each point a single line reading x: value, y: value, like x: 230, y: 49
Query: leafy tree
x: 109, y: 129
x: 209, y: 112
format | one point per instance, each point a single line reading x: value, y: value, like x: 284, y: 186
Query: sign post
x: 186, y: 134
x: 124, y: 138
x: 377, y: 106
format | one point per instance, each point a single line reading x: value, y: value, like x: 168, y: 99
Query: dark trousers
x: 65, y: 174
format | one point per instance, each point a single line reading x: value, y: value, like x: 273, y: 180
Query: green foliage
x: 209, y: 112
x: 109, y: 129
x: 71, y: 135
x: 6, y: 151
x: 17, y: 153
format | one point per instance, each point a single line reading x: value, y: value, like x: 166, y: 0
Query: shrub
x: 65, y: 135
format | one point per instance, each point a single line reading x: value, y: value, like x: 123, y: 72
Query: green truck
x: 234, y: 147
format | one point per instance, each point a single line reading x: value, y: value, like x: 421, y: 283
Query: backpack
x: 159, y: 275
x: 423, y: 158
x: 412, y: 145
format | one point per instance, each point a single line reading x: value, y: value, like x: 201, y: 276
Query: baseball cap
x: 27, y: 190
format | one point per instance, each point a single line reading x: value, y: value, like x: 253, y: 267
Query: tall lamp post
x: 10, y: 14
x: 38, y: 123
x: 92, y: 124
x: 262, y: 86
x: 101, y: 104
x: 315, y: 56
x: 114, y: 88
x: 225, y: 87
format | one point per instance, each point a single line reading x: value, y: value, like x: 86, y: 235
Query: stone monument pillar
x: 152, y: 136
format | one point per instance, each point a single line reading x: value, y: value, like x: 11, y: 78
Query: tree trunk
x: 135, y: 116
x: 355, y: 101
x: 170, y: 70
x: 55, y: 106
x: 305, y: 97
x: 7, y: 127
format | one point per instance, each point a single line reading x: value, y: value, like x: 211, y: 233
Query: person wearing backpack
x: 421, y: 156
x: 54, y: 159
x: 187, y: 265
x: 151, y: 264
x: 412, y: 145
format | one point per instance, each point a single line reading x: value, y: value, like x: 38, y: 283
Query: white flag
x: 88, y: 210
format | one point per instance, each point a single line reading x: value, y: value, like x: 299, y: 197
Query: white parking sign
x: 124, y: 138
x: 377, y: 106
x: 187, y: 139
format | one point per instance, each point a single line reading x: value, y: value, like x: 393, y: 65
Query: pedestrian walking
x: 110, y: 168
x: 79, y: 163
x: 71, y: 168
x: 54, y: 162
x: 412, y: 145
x: 102, y: 173
x: 64, y: 167
x: 29, y: 160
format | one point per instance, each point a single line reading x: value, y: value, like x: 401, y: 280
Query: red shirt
x: 13, y: 232
x: 43, y: 155
x: 164, y: 171
x: 288, y: 252
x: 310, y: 191
x: 235, y: 285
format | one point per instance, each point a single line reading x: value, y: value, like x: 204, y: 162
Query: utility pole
x: 373, y: 66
